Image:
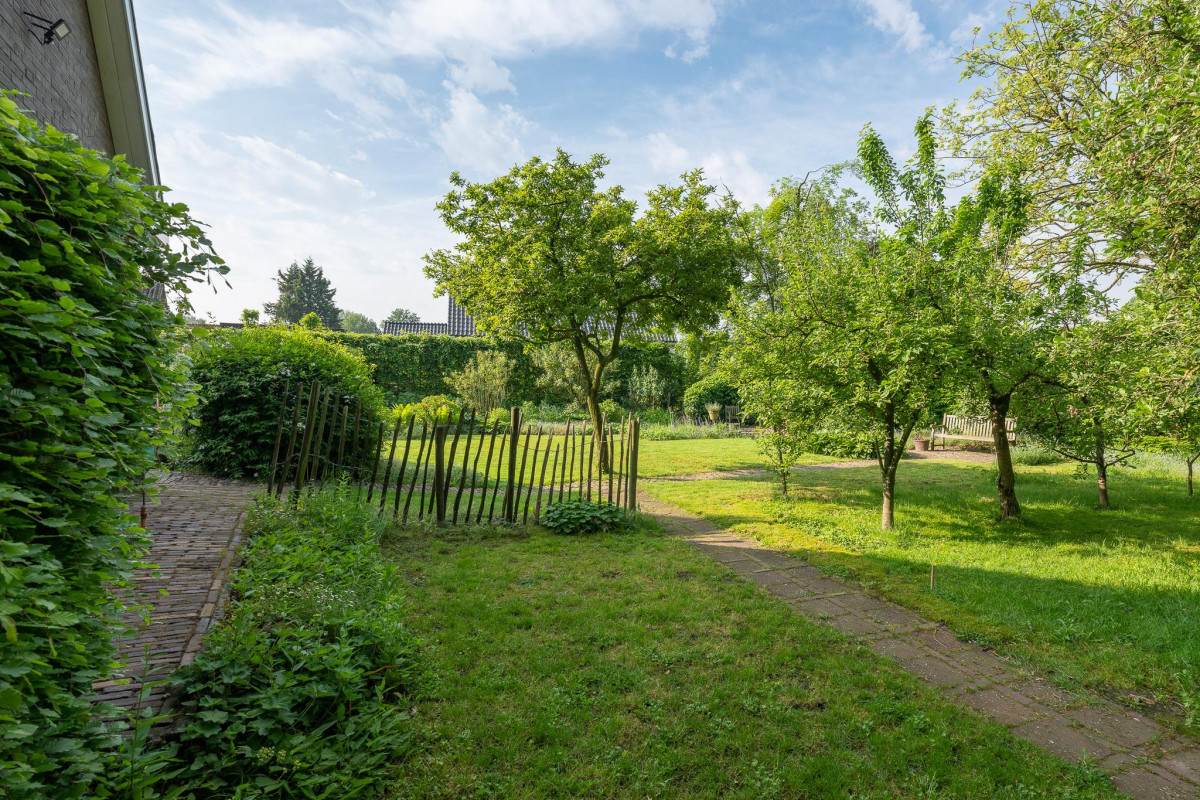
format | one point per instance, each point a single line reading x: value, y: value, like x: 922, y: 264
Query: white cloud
x: 898, y: 17
x: 480, y: 73
x: 666, y: 155
x: 733, y: 171
x: 478, y: 137
x: 269, y: 205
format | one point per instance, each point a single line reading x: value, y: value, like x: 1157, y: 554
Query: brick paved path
x: 194, y: 526
x: 1143, y: 759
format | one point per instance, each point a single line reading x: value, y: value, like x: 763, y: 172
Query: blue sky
x: 330, y: 129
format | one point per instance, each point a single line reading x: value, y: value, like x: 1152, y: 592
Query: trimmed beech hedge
x: 413, y: 366
x: 90, y: 379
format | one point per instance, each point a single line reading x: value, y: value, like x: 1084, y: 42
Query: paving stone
x: 818, y: 607
x: 978, y: 660
x: 1148, y: 782
x: 898, y: 618
x: 788, y: 591
x: 936, y: 672
x: 898, y: 649
x: 1057, y: 737
x: 193, y: 526
x: 999, y: 706
x: 1117, y: 725
x: 939, y: 639
x: 857, y: 626
x: 824, y: 586
x: 857, y: 601
x: 773, y: 559
x: 1047, y: 694
x: 1185, y: 764
x: 768, y: 577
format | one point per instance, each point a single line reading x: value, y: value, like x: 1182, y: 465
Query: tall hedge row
x: 410, y: 367
x: 89, y: 380
x: 413, y: 366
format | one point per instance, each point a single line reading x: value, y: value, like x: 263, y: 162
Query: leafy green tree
x: 1093, y: 100
x: 249, y: 316
x: 483, y: 382
x: 354, y: 322
x: 646, y: 387
x: 311, y: 321
x: 403, y: 315
x: 855, y: 329
x: 548, y: 256
x: 1087, y: 408
x: 304, y: 289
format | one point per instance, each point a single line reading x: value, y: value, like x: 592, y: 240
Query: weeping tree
x: 549, y: 256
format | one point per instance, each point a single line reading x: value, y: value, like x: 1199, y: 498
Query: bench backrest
x: 974, y: 426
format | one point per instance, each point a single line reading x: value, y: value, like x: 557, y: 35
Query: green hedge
x: 241, y: 376
x: 709, y: 389
x: 89, y: 381
x: 413, y: 366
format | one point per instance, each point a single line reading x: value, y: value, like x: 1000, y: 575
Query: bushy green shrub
x: 841, y: 442
x: 89, y: 383
x: 241, y: 376
x: 435, y: 409
x: 709, y: 389
x: 297, y: 693
x: 577, y: 517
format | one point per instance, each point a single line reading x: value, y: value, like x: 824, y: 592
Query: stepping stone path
x: 1143, y: 759
x: 195, y: 524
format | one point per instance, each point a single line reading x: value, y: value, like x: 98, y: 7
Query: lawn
x: 1108, y: 600
x: 692, y: 456
x: 632, y: 666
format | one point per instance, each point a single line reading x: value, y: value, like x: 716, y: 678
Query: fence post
x: 462, y: 478
x: 514, y: 436
x: 375, y: 465
x: 521, y: 478
x: 416, y: 470
x: 439, y: 472
x: 403, y: 465
x: 287, y: 384
x: 487, y: 471
x: 310, y: 420
x: 633, y: 464
x: 387, y: 473
x: 287, y: 461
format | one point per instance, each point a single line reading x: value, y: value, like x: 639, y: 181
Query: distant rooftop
x: 460, y: 323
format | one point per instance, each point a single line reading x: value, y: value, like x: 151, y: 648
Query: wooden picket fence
x: 331, y: 439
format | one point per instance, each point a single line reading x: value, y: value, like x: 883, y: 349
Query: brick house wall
x: 62, y: 79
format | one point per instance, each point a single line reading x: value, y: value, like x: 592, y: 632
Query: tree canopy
x: 403, y: 315
x: 548, y: 255
x: 304, y: 289
x: 354, y: 322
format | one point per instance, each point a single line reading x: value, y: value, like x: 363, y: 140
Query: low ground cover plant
x: 298, y: 692
x: 575, y: 518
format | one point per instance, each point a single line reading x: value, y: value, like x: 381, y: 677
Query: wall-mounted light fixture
x: 50, y: 31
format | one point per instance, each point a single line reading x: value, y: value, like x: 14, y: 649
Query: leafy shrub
x: 296, y: 693
x: 435, y: 409
x: 569, y: 519
x: 89, y: 382
x: 483, y: 382
x: 241, y: 375
x: 611, y: 410
x: 709, y: 389
x: 841, y: 442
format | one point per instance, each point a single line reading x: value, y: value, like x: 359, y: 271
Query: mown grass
x: 1104, y: 599
x: 632, y: 666
x: 692, y: 456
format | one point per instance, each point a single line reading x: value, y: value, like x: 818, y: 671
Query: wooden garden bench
x: 971, y: 429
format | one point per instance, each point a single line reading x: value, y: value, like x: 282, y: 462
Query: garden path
x: 1143, y: 759
x: 195, y: 524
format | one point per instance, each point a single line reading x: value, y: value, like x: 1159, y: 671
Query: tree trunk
x: 1191, y: 463
x: 1101, y: 467
x: 1006, y: 478
x: 889, y: 494
x: 593, y: 380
